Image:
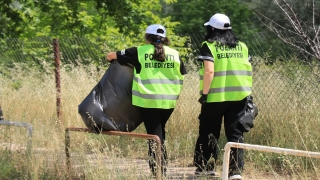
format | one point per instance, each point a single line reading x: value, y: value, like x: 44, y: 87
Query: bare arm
x: 207, y: 76
x: 111, y: 56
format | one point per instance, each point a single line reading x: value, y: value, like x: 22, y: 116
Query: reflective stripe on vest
x: 227, y: 73
x: 158, y: 84
x: 229, y: 89
x: 232, y: 79
x: 158, y: 81
x: 155, y: 96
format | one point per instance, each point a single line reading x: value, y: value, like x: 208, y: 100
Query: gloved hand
x: 203, y: 99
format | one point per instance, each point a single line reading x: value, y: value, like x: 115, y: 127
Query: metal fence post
x: 67, y: 146
x: 56, y: 50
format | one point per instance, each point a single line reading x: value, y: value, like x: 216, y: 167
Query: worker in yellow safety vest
x: 157, y: 83
x: 225, y: 85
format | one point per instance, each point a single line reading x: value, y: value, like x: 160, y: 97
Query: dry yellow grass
x: 287, y: 119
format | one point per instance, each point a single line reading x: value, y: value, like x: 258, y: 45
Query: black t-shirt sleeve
x: 205, y: 53
x: 129, y: 57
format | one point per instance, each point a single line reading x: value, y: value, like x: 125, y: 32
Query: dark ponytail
x: 222, y: 37
x: 158, y: 42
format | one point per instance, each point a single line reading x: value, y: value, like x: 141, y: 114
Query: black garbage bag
x: 109, y: 105
x: 247, y: 120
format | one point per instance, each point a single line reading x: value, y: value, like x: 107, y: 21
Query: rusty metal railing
x: 29, y: 130
x: 227, y: 149
x: 115, y: 133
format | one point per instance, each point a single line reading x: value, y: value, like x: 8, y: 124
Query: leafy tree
x: 193, y: 14
x: 68, y: 17
x: 10, y: 19
x: 293, y: 22
x: 81, y: 17
x: 108, y: 25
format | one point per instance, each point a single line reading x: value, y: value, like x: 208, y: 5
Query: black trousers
x: 211, y: 115
x: 155, y: 120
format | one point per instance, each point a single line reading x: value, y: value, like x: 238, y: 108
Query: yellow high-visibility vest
x: 158, y: 84
x: 232, y: 80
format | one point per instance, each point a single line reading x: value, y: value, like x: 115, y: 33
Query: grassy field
x: 286, y: 94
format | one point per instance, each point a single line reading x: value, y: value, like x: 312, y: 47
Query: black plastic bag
x: 109, y: 105
x: 250, y: 114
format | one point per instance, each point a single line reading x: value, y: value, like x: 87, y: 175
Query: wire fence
x: 285, y: 83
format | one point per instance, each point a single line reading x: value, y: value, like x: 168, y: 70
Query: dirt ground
x: 140, y: 166
x: 174, y: 171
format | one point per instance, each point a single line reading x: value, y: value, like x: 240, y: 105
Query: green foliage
x: 193, y: 14
x: 268, y: 8
x: 32, y: 51
x: 125, y: 14
x: 269, y: 14
x: 86, y: 30
x: 68, y: 17
x: 114, y: 25
x: 266, y: 46
x: 10, y: 19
